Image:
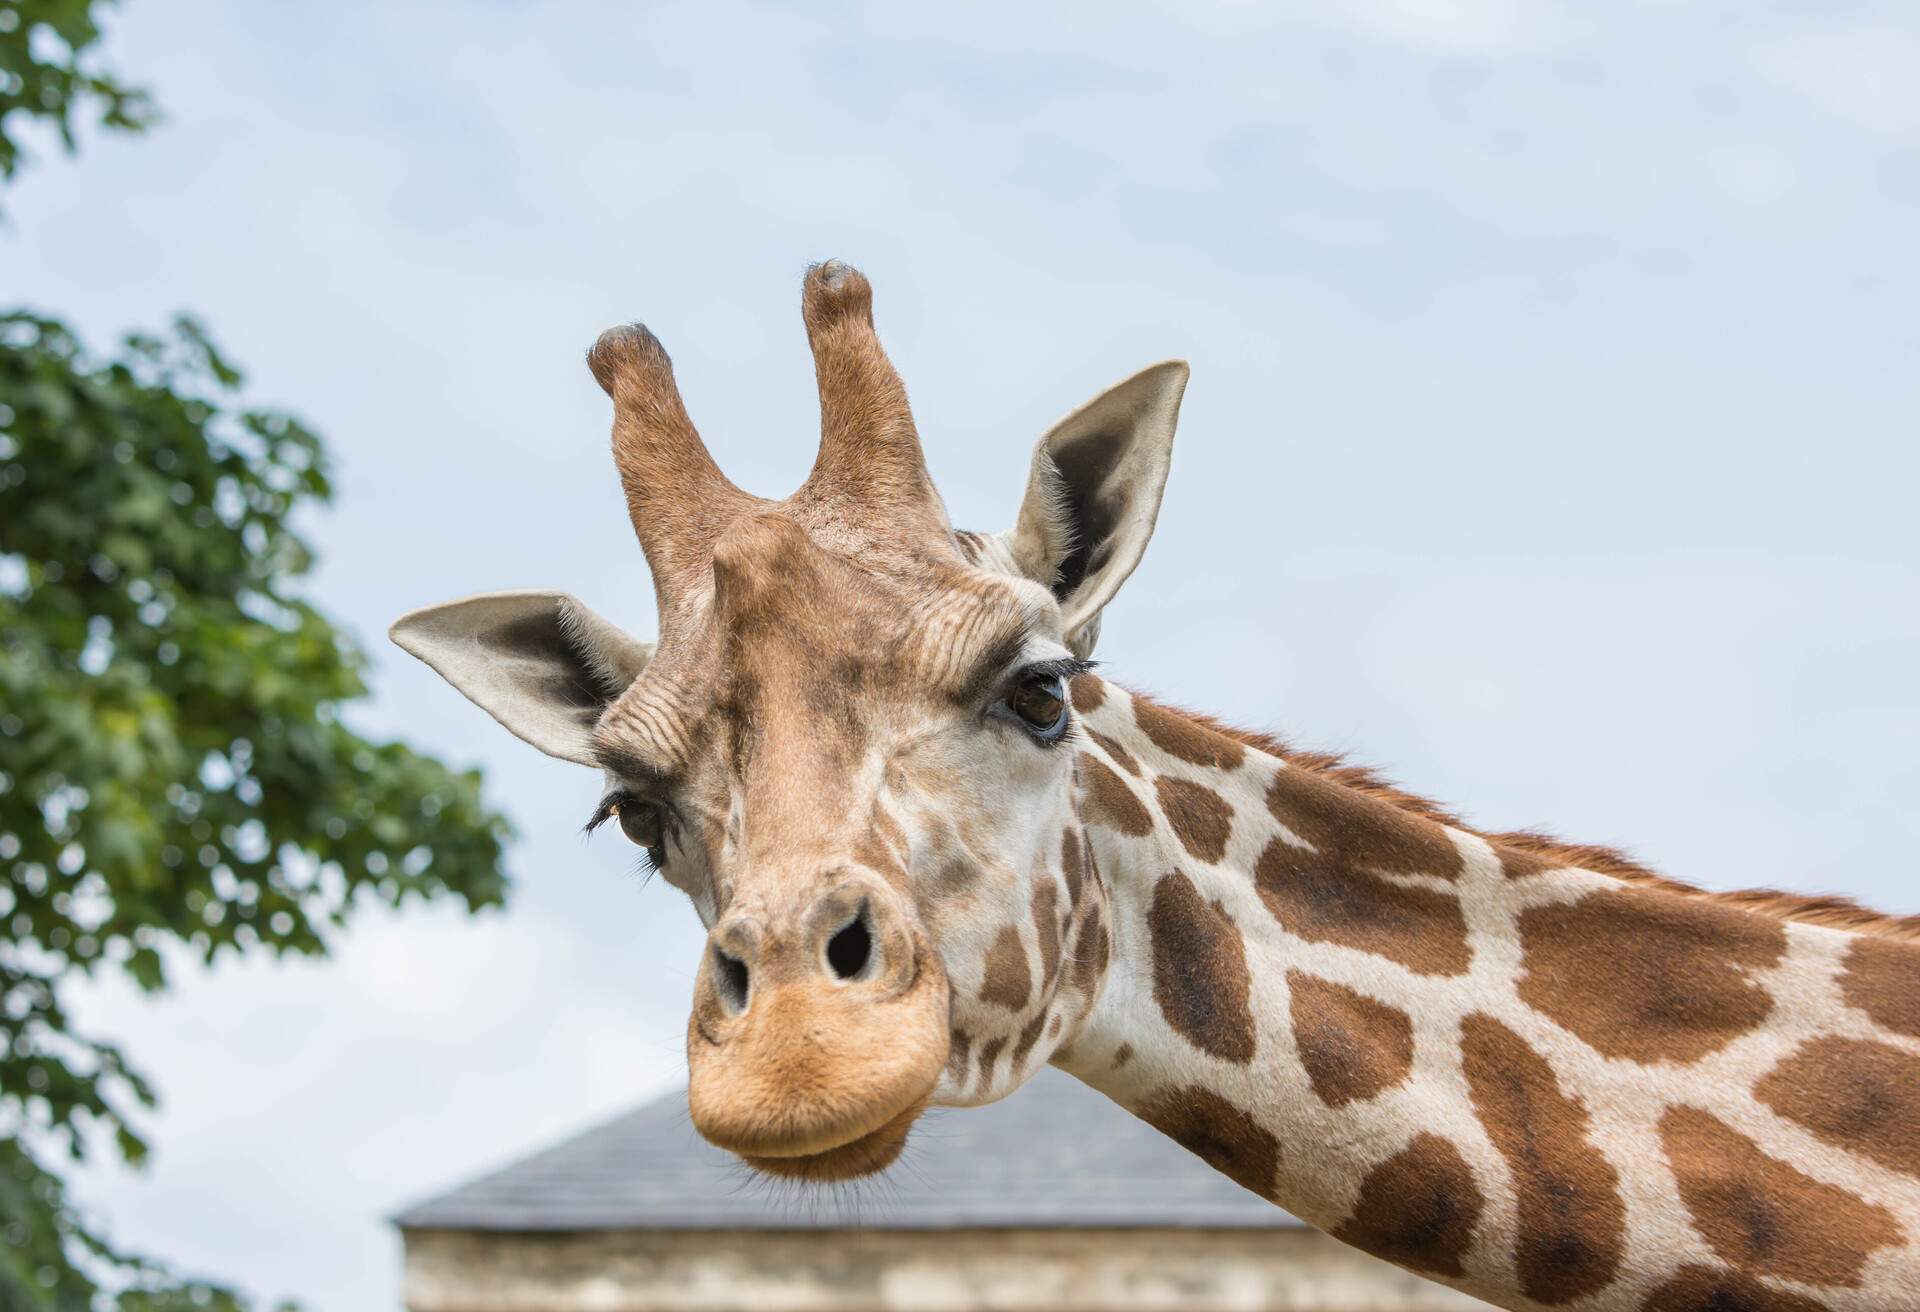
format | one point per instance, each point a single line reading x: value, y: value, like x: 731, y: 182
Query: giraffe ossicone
x: 934, y: 851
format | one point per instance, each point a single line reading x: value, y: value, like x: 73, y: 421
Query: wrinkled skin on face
x: 851, y: 748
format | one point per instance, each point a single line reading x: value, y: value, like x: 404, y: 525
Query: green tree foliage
x: 48, y: 73
x: 173, y: 765
x: 176, y: 778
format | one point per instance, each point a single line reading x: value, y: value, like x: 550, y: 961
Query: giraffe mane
x: 1833, y: 912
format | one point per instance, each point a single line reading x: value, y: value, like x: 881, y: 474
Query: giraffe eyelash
x: 605, y: 811
x: 1066, y: 669
x: 648, y: 865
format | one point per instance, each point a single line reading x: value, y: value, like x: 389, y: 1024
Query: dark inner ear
x: 553, y: 664
x: 1087, y: 465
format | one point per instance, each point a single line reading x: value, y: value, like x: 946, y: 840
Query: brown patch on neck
x: 1762, y: 1215
x: 1086, y: 692
x: 1046, y: 927
x: 1641, y: 974
x: 1417, y: 1209
x: 1525, y: 852
x: 1200, y: 818
x: 959, y: 1053
x: 1334, y: 892
x: 1882, y: 978
x: 989, y: 1056
x: 1029, y: 1035
x: 1200, y: 976
x: 1222, y: 1135
x: 1572, y: 1220
x: 1073, y: 866
x: 1854, y: 1094
x: 1359, y: 832
x: 1354, y: 1047
x: 1193, y: 741
x: 1119, y: 755
x: 1703, y: 1289
x: 1007, y: 982
x: 1325, y: 902
x: 1089, y: 954
x: 1110, y: 801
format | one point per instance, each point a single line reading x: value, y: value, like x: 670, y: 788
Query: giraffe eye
x: 1039, y: 702
x: 639, y: 821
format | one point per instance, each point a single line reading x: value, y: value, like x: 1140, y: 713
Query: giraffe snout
x: 817, y: 1032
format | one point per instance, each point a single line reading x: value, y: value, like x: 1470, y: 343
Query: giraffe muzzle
x: 817, y: 1034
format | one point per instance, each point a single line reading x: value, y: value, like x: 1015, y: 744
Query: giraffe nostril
x: 851, y: 949
x: 731, y: 978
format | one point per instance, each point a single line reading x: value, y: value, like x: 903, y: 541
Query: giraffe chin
x: 869, y: 1154
x: 821, y: 1079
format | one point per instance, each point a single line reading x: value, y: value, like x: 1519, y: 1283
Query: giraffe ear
x: 540, y: 663
x: 1094, y: 494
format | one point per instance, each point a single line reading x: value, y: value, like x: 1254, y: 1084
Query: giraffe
x: 934, y: 849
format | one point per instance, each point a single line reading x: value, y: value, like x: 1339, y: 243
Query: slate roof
x: 1054, y: 1155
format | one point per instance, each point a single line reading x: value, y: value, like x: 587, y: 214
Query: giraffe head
x: 851, y: 747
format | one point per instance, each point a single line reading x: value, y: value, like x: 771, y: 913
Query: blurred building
x: 1052, y: 1199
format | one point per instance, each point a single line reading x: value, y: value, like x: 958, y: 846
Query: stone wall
x: 908, y: 1271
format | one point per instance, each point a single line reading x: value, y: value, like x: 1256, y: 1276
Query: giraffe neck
x: 1540, y: 1084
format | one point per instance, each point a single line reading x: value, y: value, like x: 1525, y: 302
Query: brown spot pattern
x: 1417, y: 1209
x: 1200, y: 818
x: 1648, y: 975
x: 1853, y: 1094
x: 1222, y: 1135
x: 1110, y: 801
x: 989, y: 1055
x: 1703, y: 1289
x: 1090, y: 948
x: 956, y: 875
x: 1072, y: 865
x: 959, y: 1053
x: 1516, y: 864
x: 1122, y: 1055
x: 1046, y: 926
x: 1191, y: 741
x: 1572, y: 1220
x: 877, y: 855
x: 1353, y: 831
x: 1007, y: 983
x: 1882, y: 978
x: 1311, y: 894
x: 1086, y: 692
x: 1200, y: 976
x: 1029, y: 1035
x: 1762, y: 1215
x: 1119, y: 755
x: 1354, y: 1047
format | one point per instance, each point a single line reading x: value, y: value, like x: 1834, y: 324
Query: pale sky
x: 1551, y: 439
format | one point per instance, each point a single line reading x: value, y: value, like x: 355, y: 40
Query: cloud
x: 1861, y: 73
x: 1480, y: 28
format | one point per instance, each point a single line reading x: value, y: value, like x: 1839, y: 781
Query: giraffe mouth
x: 819, y: 1077
x: 869, y: 1154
